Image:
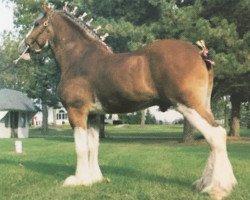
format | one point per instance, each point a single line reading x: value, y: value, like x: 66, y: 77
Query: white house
x: 16, y: 110
x: 56, y: 116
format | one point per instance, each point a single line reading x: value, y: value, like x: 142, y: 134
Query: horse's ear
x: 45, y: 8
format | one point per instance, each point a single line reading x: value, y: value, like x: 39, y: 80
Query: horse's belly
x: 126, y: 105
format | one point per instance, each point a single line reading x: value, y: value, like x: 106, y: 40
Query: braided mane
x: 87, y: 29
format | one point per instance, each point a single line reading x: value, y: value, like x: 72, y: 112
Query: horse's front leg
x: 86, y: 144
x: 93, y: 139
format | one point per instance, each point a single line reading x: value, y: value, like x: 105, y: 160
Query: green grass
x: 138, y: 169
x: 123, y: 130
x: 165, y: 131
x: 171, y: 131
x: 244, y: 132
x: 53, y: 132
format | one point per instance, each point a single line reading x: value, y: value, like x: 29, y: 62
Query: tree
x: 233, y: 78
x: 236, y: 12
x: 223, y: 24
x: 42, y: 87
x: 143, y: 118
x: 245, y: 112
x: 11, y: 76
x: 150, y: 119
x: 188, y: 132
x: 235, y: 115
x: 239, y: 89
x: 240, y: 95
x: 39, y: 77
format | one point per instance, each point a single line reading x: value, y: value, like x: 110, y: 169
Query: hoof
x: 215, y: 189
x: 74, y: 181
x: 97, y: 176
x: 98, y: 179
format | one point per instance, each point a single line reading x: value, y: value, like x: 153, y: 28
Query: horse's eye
x: 45, y: 23
x: 36, y: 23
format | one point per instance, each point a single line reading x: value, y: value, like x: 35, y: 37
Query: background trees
x: 223, y: 24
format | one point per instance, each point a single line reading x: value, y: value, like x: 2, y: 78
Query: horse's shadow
x: 51, y: 169
x: 138, y: 175
x: 60, y: 172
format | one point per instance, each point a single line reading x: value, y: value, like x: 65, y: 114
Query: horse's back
x: 177, y: 53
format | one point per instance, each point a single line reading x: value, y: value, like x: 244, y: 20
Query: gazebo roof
x: 15, y: 100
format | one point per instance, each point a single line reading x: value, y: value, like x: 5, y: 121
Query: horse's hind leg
x: 218, y: 178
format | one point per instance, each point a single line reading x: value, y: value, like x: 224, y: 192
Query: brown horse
x: 94, y: 79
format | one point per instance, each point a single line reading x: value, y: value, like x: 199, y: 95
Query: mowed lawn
x: 137, y: 168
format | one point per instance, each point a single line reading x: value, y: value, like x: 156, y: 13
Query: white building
x: 56, y: 116
x: 16, y: 111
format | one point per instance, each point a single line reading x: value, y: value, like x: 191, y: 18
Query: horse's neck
x: 69, y: 41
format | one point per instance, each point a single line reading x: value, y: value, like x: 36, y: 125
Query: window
x: 61, y: 115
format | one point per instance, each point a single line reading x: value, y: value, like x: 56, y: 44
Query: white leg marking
x: 215, y: 136
x: 93, y: 144
x: 83, y: 175
x: 218, y: 178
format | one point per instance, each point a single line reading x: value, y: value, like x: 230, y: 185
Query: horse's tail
x: 205, y: 54
x: 210, y: 84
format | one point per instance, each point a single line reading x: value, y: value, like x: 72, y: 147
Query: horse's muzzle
x: 23, y: 51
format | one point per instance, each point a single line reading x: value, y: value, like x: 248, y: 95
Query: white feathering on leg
x: 218, y: 178
x: 83, y: 175
x: 93, y: 143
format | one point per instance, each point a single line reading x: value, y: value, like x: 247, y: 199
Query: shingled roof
x: 15, y: 100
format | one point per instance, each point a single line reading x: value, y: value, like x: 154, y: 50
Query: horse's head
x: 41, y: 33
x: 54, y: 28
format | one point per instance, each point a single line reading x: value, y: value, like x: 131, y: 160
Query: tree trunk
x: 143, y: 118
x: 188, y: 132
x: 45, y: 118
x: 235, y: 115
x: 225, y: 116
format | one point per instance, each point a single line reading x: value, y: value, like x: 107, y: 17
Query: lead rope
x: 15, y: 61
x: 21, y: 56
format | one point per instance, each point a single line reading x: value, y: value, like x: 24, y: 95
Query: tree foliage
x: 135, y: 118
x: 223, y: 24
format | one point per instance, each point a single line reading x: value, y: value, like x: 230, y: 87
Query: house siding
x: 22, y: 129
x: 5, y: 132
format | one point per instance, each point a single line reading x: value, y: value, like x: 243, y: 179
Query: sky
x: 168, y: 116
x: 6, y: 23
x: 6, y: 17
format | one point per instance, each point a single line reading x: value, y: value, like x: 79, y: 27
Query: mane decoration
x: 204, y: 52
x: 92, y: 33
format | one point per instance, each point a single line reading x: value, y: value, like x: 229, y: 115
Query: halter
x: 45, y: 25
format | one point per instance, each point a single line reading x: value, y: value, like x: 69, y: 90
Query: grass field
x: 138, y: 168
